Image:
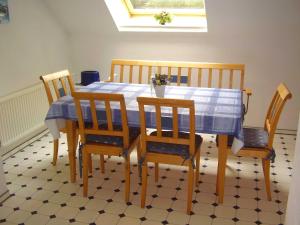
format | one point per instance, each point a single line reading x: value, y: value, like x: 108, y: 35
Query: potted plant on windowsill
x: 163, y: 17
x: 159, y: 83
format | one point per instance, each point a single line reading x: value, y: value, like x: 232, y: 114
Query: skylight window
x: 151, y: 4
x: 138, y: 7
x: 139, y: 15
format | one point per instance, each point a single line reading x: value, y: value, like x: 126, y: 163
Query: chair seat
x: 173, y: 149
x: 253, y: 138
x: 134, y: 132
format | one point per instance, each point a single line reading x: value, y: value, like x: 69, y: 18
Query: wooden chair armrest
x: 248, y: 91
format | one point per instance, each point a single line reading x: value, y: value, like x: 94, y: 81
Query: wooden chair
x: 199, y: 74
x: 259, y: 142
x: 108, y: 138
x: 61, y: 83
x: 170, y: 147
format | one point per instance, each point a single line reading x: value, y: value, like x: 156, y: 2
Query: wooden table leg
x: 217, y: 183
x: 222, y: 159
x: 72, y: 145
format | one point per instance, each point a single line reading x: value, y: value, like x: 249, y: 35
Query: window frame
x: 126, y: 22
x: 151, y: 12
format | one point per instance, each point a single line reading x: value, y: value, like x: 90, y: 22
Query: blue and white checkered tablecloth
x: 217, y: 111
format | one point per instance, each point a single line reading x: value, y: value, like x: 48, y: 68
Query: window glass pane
x: 170, y: 4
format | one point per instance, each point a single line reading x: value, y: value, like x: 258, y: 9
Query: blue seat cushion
x: 173, y: 149
x: 134, y: 132
x: 61, y: 92
x: 183, y: 79
x: 253, y: 138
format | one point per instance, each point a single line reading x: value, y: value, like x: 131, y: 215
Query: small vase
x: 160, y: 90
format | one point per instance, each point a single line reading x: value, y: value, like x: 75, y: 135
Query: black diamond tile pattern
x: 39, y: 189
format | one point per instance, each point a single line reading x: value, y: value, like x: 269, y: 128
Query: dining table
x: 217, y: 111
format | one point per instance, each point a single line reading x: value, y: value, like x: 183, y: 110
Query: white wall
x: 264, y: 35
x: 293, y: 207
x: 31, y: 44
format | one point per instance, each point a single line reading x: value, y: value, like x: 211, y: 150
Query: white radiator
x: 22, y: 116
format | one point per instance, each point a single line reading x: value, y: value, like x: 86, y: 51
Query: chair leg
x: 156, y: 172
x: 90, y: 164
x: 127, y: 178
x: 266, y: 169
x: 102, y: 166
x: 80, y: 160
x: 55, y: 151
x: 197, y: 169
x: 144, y: 184
x: 138, y: 154
x: 85, y: 172
x: 190, y: 189
x: 76, y: 142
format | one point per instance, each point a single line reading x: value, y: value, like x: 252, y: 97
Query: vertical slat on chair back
x: 107, y: 99
x: 57, y: 81
x: 174, y: 104
x: 281, y: 95
x: 218, y: 75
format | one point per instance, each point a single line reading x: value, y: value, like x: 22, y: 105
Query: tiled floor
x: 42, y: 194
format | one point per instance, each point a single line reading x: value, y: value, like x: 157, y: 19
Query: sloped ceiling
x: 230, y: 16
x: 80, y: 16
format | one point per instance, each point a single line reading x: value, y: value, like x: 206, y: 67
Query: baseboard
x: 279, y: 131
x: 286, y: 132
x: 4, y: 196
x: 26, y: 141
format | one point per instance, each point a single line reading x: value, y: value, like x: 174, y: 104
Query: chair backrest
x: 61, y: 82
x: 175, y: 104
x: 281, y: 95
x: 95, y: 128
x: 218, y: 75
